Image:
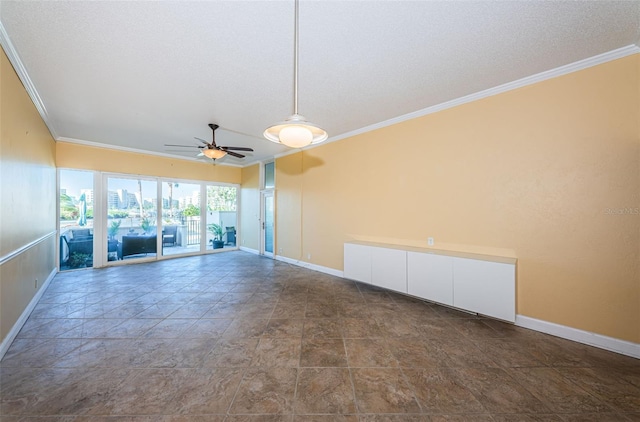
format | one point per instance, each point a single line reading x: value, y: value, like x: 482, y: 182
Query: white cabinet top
x: 468, y: 255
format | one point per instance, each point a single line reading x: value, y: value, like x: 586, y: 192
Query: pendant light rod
x: 295, y: 58
x: 295, y: 131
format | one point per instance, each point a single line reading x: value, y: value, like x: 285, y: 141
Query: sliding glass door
x: 131, y: 223
x: 181, y: 229
x: 141, y: 218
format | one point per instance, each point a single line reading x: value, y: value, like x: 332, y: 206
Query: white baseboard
x: 311, y: 266
x: 592, y: 339
x: 253, y: 251
x: 4, y: 346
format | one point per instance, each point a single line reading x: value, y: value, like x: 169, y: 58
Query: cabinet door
x: 430, y: 277
x: 357, y: 262
x: 389, y: 269
x: 484, y: 287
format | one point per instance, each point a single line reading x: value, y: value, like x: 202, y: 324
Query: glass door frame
x: 264, y: 194
x: 104, y: 213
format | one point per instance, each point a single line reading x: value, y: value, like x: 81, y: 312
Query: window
x: 76, y: 219
x: 269, y: 175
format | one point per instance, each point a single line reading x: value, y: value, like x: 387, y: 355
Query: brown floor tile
x: 231, y: 353
x: 277, y: 352
x: 325, y: 418
x: 369, y: 353
x: 266, y: 391
x: 527, y: 418
x: 395, y: 418
x: 321, y: 310
x: 323, y: 352
x: 322, y: 328
x: 497, y: 391
x: 383, y: 390
x: 438, y: 392
x: 597, y: 417
x: 461, y: 418
x: 507, y: 353
x: 606, y: 385
x: 203, y: 391
x: 282, y: 328
x: 236, y: 337
x: 360, y: 328
x: 185, y: 353
x: 417, y: 353
x: 207, y: 328
x: 259, y: 418
x: 324, y: 390
x: 246, y: 328
x: 289, y: 310
x: 557, y: 392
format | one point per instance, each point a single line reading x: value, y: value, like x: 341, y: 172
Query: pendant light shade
x: 295, y: 131
x: 214, y: 153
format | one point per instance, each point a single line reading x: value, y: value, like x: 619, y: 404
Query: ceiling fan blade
x: 235, y: 154
x: 183, y: 146
x: 202, y: 140
x: 200, y: 155
x: 237, y: 149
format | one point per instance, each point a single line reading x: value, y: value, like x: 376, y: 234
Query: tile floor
x: 236, y: 337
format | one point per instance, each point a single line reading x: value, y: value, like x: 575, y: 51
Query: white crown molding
x: 136, y: 151
x: 619, y: 53
x: 529, y: 80
x: 21, y: 71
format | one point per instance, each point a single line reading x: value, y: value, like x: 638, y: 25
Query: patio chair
x: 170, y: 235
x: 231, y: 236
x: 81, y: 234
x: 136, y: 245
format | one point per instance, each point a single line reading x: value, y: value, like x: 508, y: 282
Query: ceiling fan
x: 211, y: 149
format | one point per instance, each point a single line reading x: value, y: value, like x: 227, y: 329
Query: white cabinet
x: 477, y: 283
x: 485, y: 287
x: 357, y: 262
x: 430, y: 276
x: 389, y: 269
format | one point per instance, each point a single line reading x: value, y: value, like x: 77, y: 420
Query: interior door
x: 267, y: 224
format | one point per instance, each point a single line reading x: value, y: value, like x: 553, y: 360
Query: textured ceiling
x: 142, y: 74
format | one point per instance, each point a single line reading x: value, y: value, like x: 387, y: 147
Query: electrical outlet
x: 430, y: 241
x: 36, y: 283
x: 309, y: 256
x: 280, y: 250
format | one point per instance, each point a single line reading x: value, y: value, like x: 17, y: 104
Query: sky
x: 75, y: 180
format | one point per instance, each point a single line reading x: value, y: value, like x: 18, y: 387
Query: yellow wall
x: 70, y: 155
x: 539, y: 173
x: 250, y: 208
x: 28, y: 197
x: 288, y: 196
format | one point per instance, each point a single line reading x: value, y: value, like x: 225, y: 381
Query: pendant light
x: 295, y: 131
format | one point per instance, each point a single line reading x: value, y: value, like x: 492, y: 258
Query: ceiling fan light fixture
x: 295, y: 131
x: 214, y: 153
